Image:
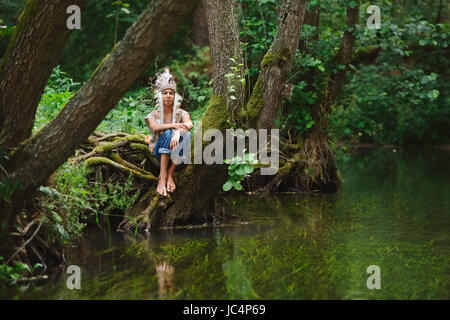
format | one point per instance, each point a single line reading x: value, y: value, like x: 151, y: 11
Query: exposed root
x: 309, y: 166
x: 145, y: 213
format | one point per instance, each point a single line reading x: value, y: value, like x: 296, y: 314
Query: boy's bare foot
x: 161, y: 188
x: 170, y: 184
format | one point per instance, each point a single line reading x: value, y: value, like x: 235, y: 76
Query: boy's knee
x: 167, y: 133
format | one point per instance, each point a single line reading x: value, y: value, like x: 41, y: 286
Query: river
x: 384, y: 235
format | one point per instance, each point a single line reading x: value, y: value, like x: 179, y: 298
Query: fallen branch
x: 27, y: 242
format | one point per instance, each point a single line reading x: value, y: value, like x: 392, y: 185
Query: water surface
x: 392, y: 211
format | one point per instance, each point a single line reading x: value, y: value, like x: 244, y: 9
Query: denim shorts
x: 163, y: 146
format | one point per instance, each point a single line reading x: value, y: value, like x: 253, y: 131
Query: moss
x: 299, y: 143
x: 216, y: 114
x: 104, y: 148
x: 99, y: 161
x: 141, y: 148
x: 139, y: 138
x: 284, y: 170
x: 283, y: 56
x: 266, y: 60
x: 100, y: 65
x: 255, y: 104
x: 30, y: 11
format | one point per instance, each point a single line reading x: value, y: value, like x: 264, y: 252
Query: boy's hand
x: 180, y: 126
x: 174, y: 140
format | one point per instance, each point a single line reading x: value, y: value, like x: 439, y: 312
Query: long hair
x: 176, y: 104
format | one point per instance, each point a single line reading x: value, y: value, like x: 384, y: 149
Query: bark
x: 36, y: 158
x: 225, y: 45
x: 201, y: 38
x: 343, y: 57
x: 277, y: 62
x: 37, y: 43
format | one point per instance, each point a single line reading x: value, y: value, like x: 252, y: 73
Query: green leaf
x: 37, y: 265
x: 240, y: 171
x: 238, y: 186
x: 15, y: 276
x: 433, y: 94
x: 227, y: 186
x: 22, y: 266
x: 248, y: 169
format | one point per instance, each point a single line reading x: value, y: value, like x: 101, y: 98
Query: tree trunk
x: 226, y: 53
x: 200, y: 26
x: 277, y: 62
x: 343, y: 57
x: 312, y: 165
x: 34, y: 48
x: 36, y: 158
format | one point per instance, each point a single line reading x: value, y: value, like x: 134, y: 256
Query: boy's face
x: 168, y: 96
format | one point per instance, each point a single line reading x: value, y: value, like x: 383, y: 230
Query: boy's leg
x: 162, y: 153
x: 161, y: 188
x: 184, y: 143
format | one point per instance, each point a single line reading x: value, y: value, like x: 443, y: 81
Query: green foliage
x: 85, y: 50
x: 68, y: 206
x: 129, y: 113
x: 403, y: 98
x: 10, y: 275
x: 234, y: 78
x: 298, y: 118
x: 59, y: 90
x: 257, y: 21
x: 238, y: 169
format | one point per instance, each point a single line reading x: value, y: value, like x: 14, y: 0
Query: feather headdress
x: 166, y: 81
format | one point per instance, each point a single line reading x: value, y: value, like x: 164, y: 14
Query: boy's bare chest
x: 168, y: 118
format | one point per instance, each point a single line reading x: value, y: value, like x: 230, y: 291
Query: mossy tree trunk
x: 312, y: 165
x: 266, y: 97
x: 32, y: 53
x: 36, y: 158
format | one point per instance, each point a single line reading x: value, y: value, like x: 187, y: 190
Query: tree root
x: 309, y: 165
x: 145, y: 213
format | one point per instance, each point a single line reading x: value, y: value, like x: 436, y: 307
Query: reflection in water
x: 392, y: 211
x: 165, y: 279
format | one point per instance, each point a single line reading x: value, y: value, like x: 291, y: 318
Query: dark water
x: 392, y: 211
